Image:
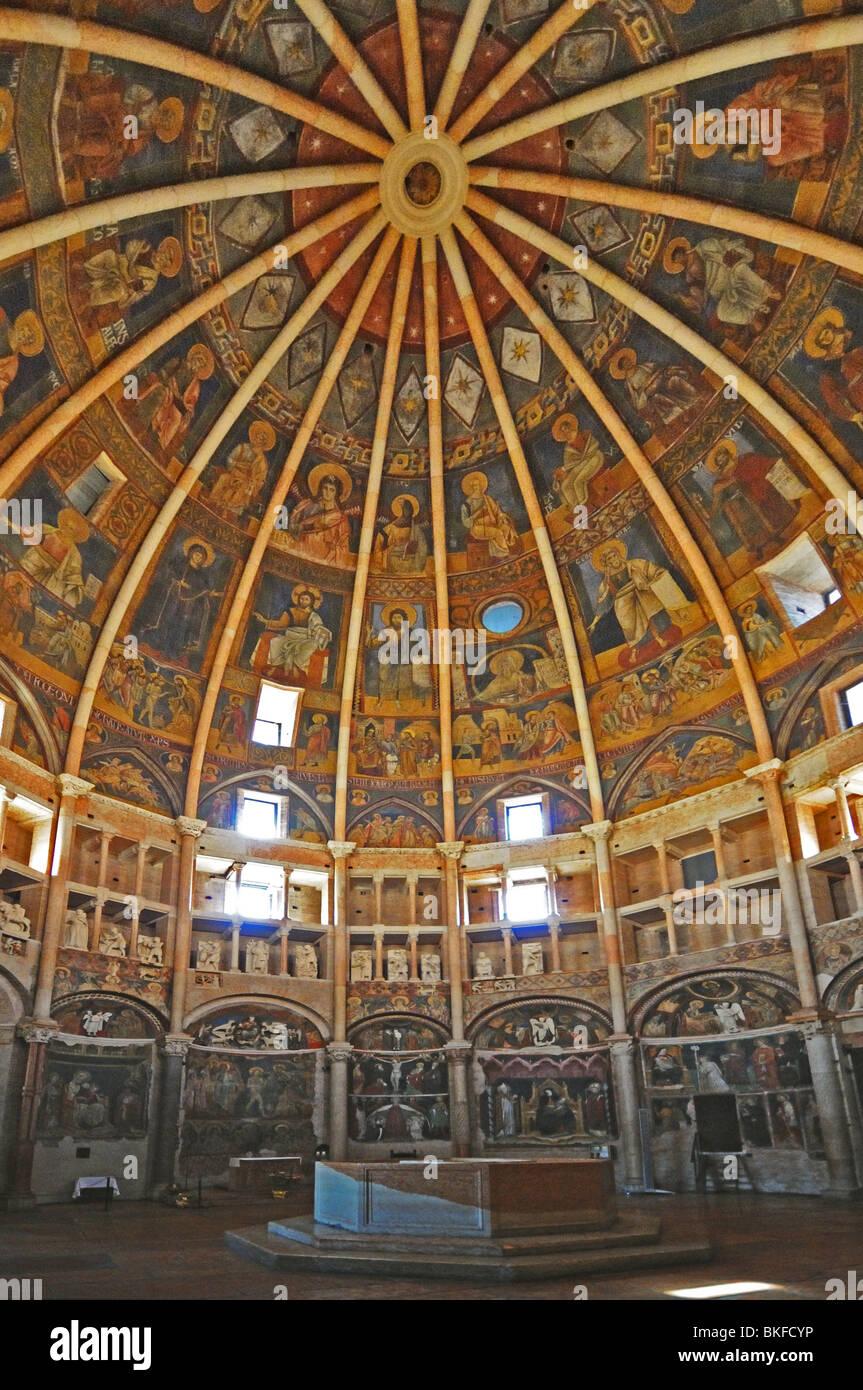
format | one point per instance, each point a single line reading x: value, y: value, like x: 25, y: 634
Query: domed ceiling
x: 373, y: 316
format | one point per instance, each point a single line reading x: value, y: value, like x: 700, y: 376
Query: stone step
x: 277, y: 1252
x: 628, y: 1231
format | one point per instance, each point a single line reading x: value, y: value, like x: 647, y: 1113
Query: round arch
x: 399, y: 1021
x: 72, y: 1008
x: 595, y: 1018
x: 839, y: 994
x: 270, y: 1004
x: 783, y: 993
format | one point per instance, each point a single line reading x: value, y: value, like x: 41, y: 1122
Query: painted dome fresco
x: 483, y: 325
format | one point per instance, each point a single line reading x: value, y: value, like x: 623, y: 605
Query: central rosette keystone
x: 423, y: 184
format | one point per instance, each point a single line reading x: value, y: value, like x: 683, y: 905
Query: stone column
x: 854, y: 870
x: 341, y: 850
x: 622, y: 1049
x: 98, y: 908
x: 451, y: 851
x: 36, y: 1036
x: 284, y: 938
x: 554, y: 935
x: 133, y: 930
x: 444, y: 957
x: 328, y: 944
x: 768, y: 775
x: 623, y: 1069
x: 140, y: 865
x: 501, y: 898
x: 378, y: 879
x: 838, y: 1149
x: 552, y: 892
x: 174, y: 1049
x: 413, y: 879
x: 598, y: 833
x: 665, y: 898
x: 105, y: 838
x: 667, y: 904
x: 379, y: 954
x: 804, y: 887
x: 339, y: 1054
x: 339, y: 1051
x: 412, y: 941
x: 191, y: 831
x: 845, y: 820
x: 5, y: 798
x: 134, y: 907
x: 822, y: 1060
x: 234, y: 958
x: 506, y: 933
x: 722, y: 877
x: 70, y: 788
x: 458, y: 1055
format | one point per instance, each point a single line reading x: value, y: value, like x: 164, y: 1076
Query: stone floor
x: 141, y: 1250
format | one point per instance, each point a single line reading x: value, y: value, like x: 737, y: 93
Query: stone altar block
x: 469, y: 1196
x: 488, y: 1219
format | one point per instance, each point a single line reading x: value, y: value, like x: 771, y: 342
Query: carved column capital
x: 176, y: 1044
x: 37, y: 1030
x: 770, y: 771
x: 341, y: 849
x: 597, y: 830
x: 553, y: 921
x: 187, y: 825
x: 458, y: 1050
x: 339, y: 1051
x: 450, y: 849
x: 811, y: 1028
x: 67, y: 785
x: 621, y: 1046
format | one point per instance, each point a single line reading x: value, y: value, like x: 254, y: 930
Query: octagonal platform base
x: 489, y: 1219
x: 302, y: 1244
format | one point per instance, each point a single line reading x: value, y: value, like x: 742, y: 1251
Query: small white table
x: 106, y: 1185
